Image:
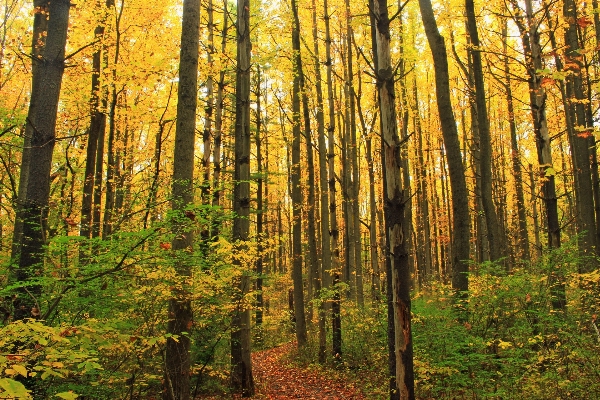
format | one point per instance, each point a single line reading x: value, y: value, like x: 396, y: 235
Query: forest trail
x: 276, y: 379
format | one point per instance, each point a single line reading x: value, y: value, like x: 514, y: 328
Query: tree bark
x: 522, y: 235
x: 582, y: 141
x: 177, y: 355
x: 301, y: 335
x: 38, y: 42
x: 460, y: 204
x: 333, y: 276
x: 394, y: 201
x: 42, y: 119
x: 530, y: 37
x: 325, y: 269
x: 241, y: 375
x: 485, y: 145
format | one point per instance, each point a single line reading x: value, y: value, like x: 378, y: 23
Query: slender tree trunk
x: 301, y: 335
x: 485, y: 146
x: 177, y: 355
x: 460, y: 204
x: 335, y: 250
x: 375, y: 282
x: 112, y: 165
x: 522, y: 234
x: 97, y: 123
x: 40, y: 26
x: 582, y: 141
x: 43, y: 123
x: 241, y: 375
x: 208, y: 111
x: 394, y: 199
x: 531, y: 43
x: 259, y: 205
x: 355, y: 184
x: 216, y: 198
x: 324, y: 211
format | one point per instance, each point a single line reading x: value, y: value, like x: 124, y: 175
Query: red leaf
x: 584, y: 22
x: 584, y: 134
x: 165, y: 246
x: 70, y: 221
x: 547, y: 82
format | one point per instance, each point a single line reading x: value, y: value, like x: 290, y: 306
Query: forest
x: 392, y: 200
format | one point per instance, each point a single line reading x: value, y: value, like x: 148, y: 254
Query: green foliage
x: 105, y: 314
x: 512, y: 344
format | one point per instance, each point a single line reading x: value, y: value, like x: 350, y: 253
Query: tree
x: 530, y: 37
x: 241, y: 375
x: 394, y: 200
x: 485, y: 146
x: 40, y: 26
x: 42, y: 119
x: 299, y: 316
x: 460, y: 205
x: 177, y: 355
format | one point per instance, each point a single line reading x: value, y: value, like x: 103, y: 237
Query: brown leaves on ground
x: 276, y: 378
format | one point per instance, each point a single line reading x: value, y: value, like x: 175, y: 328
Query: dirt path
x: 276, y: 379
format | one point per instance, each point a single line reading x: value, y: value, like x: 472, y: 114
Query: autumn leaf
x: 165, y: 246
x: 547, y: 82
x: 584, y: 134
x: 584, y: 22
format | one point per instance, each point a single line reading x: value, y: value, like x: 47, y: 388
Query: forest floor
x: 277, y: 378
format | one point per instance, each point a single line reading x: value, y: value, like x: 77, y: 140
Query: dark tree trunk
x: 582, y: 141
x: 241, y: 374
x: 394, y: 207
x: 325, y: 269
x: 485, y: 146
x: 460, y: 204
x: 297, y: 200
x: 177, y: 354
x: 40, y: 26
x: 522, y: 235
x: 334, y: 276
x: 42, y: 120
x: 259, y: 205
x: 530, y: 37
x: 97, y: 124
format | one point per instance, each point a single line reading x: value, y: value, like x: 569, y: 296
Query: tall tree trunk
x: 485, y: 146
x: 368, y: 135
x: 216, y: 199
x: 460, y: 204
x: 530, y: 37
x: 325, y: 270
x: 424, y: 234
x: 208, y: 111
x: 394, y: 200
x: 355, y: 184
x: 112, y: 165
x: 241, y: 375
x: 301, y: 335
x: 314, y: 276
x: 582, y: 141
x: 97, y: 124
x: 334, y: 275
x: 522, y: 235
x: 177, y: 355
x: 259, y: 205
x: 42, y: 119
x: 38, y: 42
